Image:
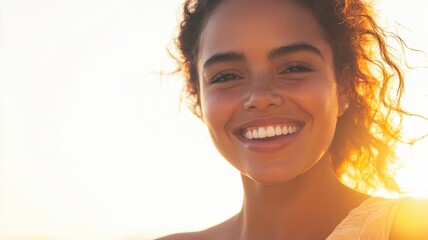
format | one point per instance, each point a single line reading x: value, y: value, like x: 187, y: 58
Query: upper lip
x: 264, y: 122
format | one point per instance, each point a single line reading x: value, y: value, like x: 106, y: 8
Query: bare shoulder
x: 411, y: 219
x: 225, y: 231
x: 182, y: 236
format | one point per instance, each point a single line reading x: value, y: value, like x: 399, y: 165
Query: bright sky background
x: 93, y: 144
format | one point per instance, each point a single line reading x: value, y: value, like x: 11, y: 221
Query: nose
x: 262, y: 97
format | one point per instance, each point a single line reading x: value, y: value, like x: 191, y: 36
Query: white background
x: 93, y: 144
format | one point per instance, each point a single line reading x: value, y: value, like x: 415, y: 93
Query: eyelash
x: 225, y: 77
x: 297, y: 67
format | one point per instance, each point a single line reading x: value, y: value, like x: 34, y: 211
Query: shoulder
x: 411, y: 220
x: 208, y: 234
x: 182, y: 236
x: 225, y: 231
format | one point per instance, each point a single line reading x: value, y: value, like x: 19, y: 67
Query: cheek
x: 322, y: 107
x: 216, y: 109
x: 320, y: 98
x: 218, y: 112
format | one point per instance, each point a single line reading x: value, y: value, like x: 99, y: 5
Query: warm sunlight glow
x: 93, y: 145
x: 412, y: 177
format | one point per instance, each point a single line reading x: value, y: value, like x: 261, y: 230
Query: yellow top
x: 371, y: 220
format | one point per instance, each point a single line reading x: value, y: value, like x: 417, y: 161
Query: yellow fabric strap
x: 371, y: 220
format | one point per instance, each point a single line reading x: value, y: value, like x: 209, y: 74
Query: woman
x: 293, y: 93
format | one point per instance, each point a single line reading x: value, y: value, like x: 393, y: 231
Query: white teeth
x: 255, y: 133
x: 284, y: 130
x: 278, y: 130
x: 249, y: 135
x: 262, y: 132
x: 269, y: 131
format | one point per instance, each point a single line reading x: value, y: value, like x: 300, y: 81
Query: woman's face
x: 267, y: 87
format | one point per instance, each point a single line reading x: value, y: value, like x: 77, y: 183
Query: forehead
x: 240, y: 25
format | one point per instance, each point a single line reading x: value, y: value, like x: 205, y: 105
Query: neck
x: 307, y: 207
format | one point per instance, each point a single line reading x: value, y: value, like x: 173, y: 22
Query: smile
x: 269, y: 135
x: 269, y: 131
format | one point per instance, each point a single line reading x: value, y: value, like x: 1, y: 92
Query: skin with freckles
x: 270, y: 98
x: 295, y: 88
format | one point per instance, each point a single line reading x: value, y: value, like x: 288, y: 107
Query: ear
x: 343, y: 90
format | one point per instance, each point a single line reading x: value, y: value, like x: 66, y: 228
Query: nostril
x: 262, y: 100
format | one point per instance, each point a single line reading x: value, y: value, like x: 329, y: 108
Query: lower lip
x: 269, y: 145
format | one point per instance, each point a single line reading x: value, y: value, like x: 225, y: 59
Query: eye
x: 297, y: 67
x: 225, y: 77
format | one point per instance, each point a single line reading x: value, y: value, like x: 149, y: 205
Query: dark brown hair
x: 365, y: 138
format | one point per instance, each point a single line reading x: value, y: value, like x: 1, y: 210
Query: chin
x: 283, y: 173
x: 272, y: 177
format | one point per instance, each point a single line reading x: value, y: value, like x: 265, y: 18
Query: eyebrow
x: 275, y: 53
x: 224, y: 57
x: 280, y: 51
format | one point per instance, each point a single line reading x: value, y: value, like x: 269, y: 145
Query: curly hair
x: 363, y: 148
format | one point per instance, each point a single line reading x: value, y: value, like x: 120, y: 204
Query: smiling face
x: 267, y: 87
